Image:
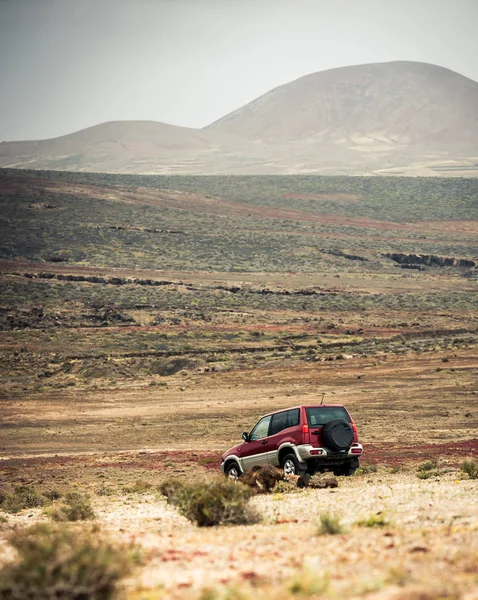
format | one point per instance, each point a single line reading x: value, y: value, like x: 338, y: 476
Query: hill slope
x: 126, y: 147
x: 389, y: 103
x: 399, y: 117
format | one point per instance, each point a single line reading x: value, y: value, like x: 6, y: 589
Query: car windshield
x: 320, y: 415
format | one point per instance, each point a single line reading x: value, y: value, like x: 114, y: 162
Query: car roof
x: 303, y: 406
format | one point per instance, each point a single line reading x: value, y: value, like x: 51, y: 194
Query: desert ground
x: 412, y: 411
x: 146, y: 324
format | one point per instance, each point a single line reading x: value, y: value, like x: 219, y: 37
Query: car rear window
x: 320, y: 415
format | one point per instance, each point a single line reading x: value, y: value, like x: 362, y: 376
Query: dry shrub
x: 329, y: 525
x: 57, y: 562
x: 428, y: 469
x: 229, y: 592
x: 209, y: 502
x: 138, y: 487
x: 470, y: 467
x: 52, y: 495
x: 23, y: 496
x: 76, y: 507
x: 378, y: 519
x: 170, y: 488
x: 366, y: 469
x: 170, y: 366
x: 106, y: 490
x: 308, y: 583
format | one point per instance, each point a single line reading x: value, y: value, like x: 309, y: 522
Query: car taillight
x: 354, y: 429
x: 305, y: 428
x: 356, y: 450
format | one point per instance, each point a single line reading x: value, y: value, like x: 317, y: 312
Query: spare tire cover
x: 338, y: 434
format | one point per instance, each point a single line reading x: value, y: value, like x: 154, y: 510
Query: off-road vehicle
x: 301, y: 439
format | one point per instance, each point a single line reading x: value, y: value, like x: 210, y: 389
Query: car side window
x: 283, y: 420
x: 279, y: 422
x: 261, y: 429
x: 293, y: 417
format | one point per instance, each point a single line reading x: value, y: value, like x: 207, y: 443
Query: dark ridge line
x: 140, y: 229
x: 191, y: 351
x: 157, y: 283
x: 431, y: 260
x: 402, y: 337
x: 413, y: 335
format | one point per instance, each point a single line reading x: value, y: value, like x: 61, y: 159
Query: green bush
x: 23, y: 496
x: 138, y: 487
x: 105, y: 490
x: 55, y: 562
x: 217, y: 501
x: 428, y: 469
x: 52, y: 495
x: 374, y: 520
x: 470, y: 467
x: 429, y: 465
x: 329, y: 525
x: 307, y: 583
x: 427, y: 474
x: 366, y: 469
x: 171, y: 488
x: 77, y: 507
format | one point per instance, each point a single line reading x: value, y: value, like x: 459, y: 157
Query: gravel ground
x: 428, y: 547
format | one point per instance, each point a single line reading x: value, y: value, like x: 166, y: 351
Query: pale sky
x: 69, y: 64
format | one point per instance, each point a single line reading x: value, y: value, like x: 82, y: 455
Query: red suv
x: 301, y: 439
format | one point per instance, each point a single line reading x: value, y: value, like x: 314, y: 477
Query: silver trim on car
x: 302, y: 453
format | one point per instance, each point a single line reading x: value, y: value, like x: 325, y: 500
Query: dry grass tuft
x: 57, y: 562
x: 22, y: 496
x: 77, y: 507
x: 470, y: 467
x: 378, y: 519
x: 329, y: 525
x: 210, y: 502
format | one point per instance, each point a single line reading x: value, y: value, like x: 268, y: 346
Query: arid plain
x: 148, y: 321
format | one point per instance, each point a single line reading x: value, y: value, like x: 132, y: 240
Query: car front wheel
x: 232, y: 471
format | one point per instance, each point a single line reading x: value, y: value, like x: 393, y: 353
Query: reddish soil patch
x: 382, y: 453
x: 394, y: 455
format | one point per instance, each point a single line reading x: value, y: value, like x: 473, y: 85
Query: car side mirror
x: 245, y: 436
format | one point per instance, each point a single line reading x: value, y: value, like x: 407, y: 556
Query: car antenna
x: 323, y: 395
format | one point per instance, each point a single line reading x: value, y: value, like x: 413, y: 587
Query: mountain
x: 385, y: 103
x: 398, y: 117
x: 125, y: 147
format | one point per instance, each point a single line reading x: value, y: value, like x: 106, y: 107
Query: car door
x: 255, y: 450
x: 284, y: 428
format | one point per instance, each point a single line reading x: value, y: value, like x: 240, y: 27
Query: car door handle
x: 264, y: 442
x: 315, y: 432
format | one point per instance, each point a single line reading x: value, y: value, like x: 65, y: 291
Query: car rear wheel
x: 347, y: 470
x: 232, y: 471
x: 290, y: 464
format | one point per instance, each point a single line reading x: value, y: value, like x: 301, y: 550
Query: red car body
x: 307, y: 438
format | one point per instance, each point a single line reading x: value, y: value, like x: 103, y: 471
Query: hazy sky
x: 70, y: 64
